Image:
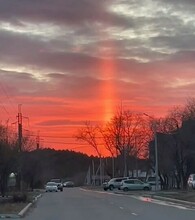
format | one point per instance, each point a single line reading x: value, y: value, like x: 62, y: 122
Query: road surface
x: 81, y: 204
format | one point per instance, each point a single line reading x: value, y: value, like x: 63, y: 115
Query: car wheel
x: 111, y: 187
x: 125, y: 189
x: 105, y: 189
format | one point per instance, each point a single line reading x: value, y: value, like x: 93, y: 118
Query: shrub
x: 20, y: 197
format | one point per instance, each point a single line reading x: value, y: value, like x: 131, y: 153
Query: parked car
x: 59, y: 183
x: 134, y: 184
x: 68, y: 184
x: 51, y: 187
x: 191, y: 181
x: 113, y: 183
x: 152, y: 181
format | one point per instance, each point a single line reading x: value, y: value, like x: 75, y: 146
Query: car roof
x: 55, y: 180
x: 50, y: 182
x: 116, y: 178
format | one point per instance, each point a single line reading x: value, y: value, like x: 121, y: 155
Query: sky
x: 68, y: 61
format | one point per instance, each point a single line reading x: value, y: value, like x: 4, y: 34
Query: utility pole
x: 156, y: 157
x: 19, y: 116
x: 154, y: 127
x: 20, y: 144
x: 113, y: 166
x: 93, y: 176
x: 125, y: 161
x: 101, y: 178
x: 38, y: 140
x: 136, y: 159
x: 19, y: 128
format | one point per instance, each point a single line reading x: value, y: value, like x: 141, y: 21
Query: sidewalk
x: 184, y: 195
x: 179, y: 196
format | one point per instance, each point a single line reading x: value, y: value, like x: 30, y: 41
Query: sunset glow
x: 68, y: 62
x: 108, y: 95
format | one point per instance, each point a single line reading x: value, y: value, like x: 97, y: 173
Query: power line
x: 63, y: 137
x: 56, y: 142
x: 3, y: 107
x: 3, y: 89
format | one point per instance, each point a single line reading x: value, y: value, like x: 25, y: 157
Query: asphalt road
x: 80, y: 204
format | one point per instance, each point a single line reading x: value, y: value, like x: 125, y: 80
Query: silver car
x: 51, y: 187
x: 134, y: 184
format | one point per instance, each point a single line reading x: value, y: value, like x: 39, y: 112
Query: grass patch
x: 11, y: 208
x: 182, y: 195
x: 8, y: 206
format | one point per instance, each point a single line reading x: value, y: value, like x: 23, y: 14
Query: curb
x: 173, y: 200
x: 26, y: 208
x: 22, y: 212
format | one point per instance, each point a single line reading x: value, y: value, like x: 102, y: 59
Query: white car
x: 113, y: 183
x: 51, y: 187
x: 191, y: 181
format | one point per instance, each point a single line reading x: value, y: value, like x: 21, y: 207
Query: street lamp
x: 156, y: 151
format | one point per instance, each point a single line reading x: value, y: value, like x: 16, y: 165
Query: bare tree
x: 90, y: 134
x: 127, y: 135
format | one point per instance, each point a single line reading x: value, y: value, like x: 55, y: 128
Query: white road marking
x: 121, y: 207
x: 133, y: 213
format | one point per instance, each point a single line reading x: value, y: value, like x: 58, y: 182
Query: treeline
x: 39, y: 166
x: 33, y: 168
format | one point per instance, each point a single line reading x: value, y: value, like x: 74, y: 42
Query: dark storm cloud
x: 41, y: 52
x: 83, y: 63
x: 14, y: 45
x: 70, y: 12
x: 21, y: 50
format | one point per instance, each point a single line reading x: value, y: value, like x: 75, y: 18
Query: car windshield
x: 56, y: 180
x: 51, y: 184
x: 151, y: 179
